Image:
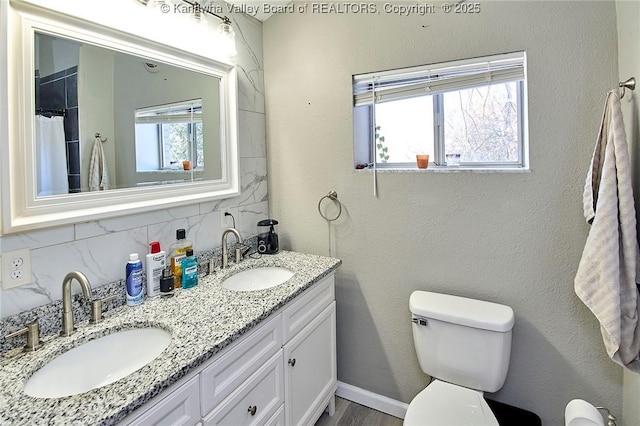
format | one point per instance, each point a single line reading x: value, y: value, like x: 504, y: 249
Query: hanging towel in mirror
x: 608, y: 270
x: 98, y: 170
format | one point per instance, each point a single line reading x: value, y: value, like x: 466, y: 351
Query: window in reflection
x: 170, y: 137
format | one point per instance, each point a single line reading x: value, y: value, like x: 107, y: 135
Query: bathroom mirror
x: 155, y: 120
x: 137, y: 125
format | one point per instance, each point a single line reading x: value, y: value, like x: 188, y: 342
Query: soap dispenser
x: 155, y: 265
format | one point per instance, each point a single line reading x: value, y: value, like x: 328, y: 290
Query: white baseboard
x: 372, y: 400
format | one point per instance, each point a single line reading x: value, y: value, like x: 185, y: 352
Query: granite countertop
x: 202, y: 321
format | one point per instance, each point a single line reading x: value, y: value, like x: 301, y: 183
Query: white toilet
x: 465, y: 345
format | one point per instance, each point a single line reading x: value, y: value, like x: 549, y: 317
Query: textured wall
x: 511, y: 238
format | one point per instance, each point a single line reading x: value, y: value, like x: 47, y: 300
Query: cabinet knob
x: 292, y: 362
x: 253, y: 409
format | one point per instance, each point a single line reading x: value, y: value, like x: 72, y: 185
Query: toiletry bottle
x: 189, y: 270
x: 178, y: 252
x: 155, y: 264
x: 135, y: 296
x: 166, y: 282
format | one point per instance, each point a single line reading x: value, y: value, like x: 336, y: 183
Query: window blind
x: 196, y: 117
x: 180, y: 112
x: 437, y: 78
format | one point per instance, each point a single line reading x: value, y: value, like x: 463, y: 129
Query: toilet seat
x: 445, y: 404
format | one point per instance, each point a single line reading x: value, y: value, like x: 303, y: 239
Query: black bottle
x: 166, y: 282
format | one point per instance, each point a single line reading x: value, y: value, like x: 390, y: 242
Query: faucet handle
x: 96, y: 309
x: 212, y: 265
x: 32, y: 330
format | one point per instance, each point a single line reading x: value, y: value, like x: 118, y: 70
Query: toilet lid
x: 444, y: 404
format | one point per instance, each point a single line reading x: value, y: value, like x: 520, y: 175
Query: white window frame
x: 165, y: 145
x: 189, y: 112
x: 436, y: 79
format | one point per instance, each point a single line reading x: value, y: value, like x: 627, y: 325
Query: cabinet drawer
x: 181, y: 407
x: 277, y: 419
x: 308, y: 306
x: 256, y: 401
x: 237, y: 363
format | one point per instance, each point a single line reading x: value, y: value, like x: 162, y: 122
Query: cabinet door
x: 310, y: 369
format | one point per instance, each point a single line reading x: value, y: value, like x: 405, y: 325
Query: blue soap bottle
x: 189, y: 270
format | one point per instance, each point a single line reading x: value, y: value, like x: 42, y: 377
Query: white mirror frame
x: 22, y: 210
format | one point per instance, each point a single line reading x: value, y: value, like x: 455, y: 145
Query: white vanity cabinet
x: 232, y: 368
x: 180, y: 407
x: 255, y: 401
x: 283, y: 372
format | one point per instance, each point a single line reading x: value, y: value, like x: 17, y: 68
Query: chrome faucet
x: 67, y: 308
x: 225, y: 260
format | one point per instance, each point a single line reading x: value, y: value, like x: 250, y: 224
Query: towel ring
x: 333, y: 196
x: 98, y: 136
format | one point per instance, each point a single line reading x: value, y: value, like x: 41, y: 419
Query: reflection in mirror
x: 170, y: 137
x: 161, y: 122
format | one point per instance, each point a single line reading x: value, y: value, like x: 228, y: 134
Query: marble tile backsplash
x: 100, y: 249
x: 103, y: 250
x: 250, y: 63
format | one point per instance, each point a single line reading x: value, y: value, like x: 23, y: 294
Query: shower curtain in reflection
x: 51, y: 157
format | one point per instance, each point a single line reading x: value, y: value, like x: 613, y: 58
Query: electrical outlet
x: 226, y: 220
x: 16, y: 268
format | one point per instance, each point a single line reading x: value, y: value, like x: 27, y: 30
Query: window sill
x: 168, y: 171
x: 440, y: 169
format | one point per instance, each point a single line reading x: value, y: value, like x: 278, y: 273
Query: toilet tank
x: 462, y: 341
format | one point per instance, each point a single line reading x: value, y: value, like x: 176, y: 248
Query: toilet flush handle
x: 420, y: 321
x: 611, y: 419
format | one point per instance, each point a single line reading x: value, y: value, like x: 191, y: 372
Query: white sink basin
x: 97, y: 363
x: 257, y: 278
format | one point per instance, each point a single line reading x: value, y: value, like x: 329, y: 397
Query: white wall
x: 509, y: 238
x: 628, y: 14
x: 101, y: 248
x: 95, y: 109
x: 135, y: 87
x: 55, y: 55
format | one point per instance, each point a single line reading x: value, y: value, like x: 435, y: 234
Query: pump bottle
x: 155, y: 262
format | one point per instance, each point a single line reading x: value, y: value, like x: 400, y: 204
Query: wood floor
x: 351, y: 414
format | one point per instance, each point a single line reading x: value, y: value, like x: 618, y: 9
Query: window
x: 472, y: 110
x: 167, y: 135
